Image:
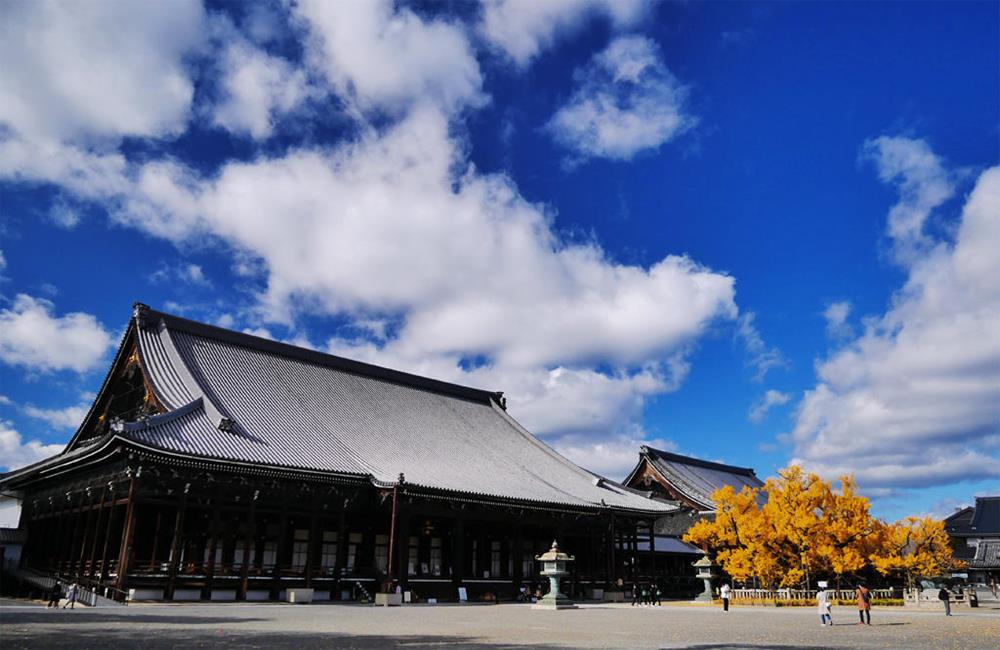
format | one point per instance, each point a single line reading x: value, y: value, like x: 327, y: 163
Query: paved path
x: 152, y: 627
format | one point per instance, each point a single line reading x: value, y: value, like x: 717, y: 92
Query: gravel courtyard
x: 153, y: 627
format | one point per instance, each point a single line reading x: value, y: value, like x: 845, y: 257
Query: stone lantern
x: 554, y: 564
x: 704, y: 568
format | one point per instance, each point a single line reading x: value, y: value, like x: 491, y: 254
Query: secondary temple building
x: 217, y: 465
x: 688, y: 481
x: 975, y: 539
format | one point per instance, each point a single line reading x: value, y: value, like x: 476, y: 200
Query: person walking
x: 658, y: 594
x: 724, y: 594
x: 55, y: 595
x: 71, y: 594
x: 945, y: 598
x: 864, y: 596
x: 635, y: 594
x: 823, y: 603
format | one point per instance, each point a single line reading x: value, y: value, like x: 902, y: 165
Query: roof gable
x: 688, y: 479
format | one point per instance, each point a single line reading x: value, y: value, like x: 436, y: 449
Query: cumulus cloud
x: 257, y: 89
x: 15, y: 453
x: 923, y: 185
x: 836, y: 314
x: 770, y: 399
x: 386, y: 57
x: 398, y: 226
x: 522, y: 29
x: 915, y: 399
x: 32, y: 337
x: 626, y: 101
x: 64, y: 418
x: 82, y: 70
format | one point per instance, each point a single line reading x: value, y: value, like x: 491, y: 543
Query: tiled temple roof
x: 235, y: 398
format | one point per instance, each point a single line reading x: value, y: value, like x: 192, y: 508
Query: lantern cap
x: 705, y: 561
x: 554, y: 555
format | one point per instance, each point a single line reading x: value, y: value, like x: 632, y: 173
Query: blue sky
x: 752, y: 232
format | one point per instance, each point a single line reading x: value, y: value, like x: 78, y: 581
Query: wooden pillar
x: 67, y: 554
x: 175, y: 543
x: 213, y: 543
x: 312, y: 548
x: 342, y: 541
x: 458, y: 550
x: 518, y: 554
x: 280, y: 554
x: 112, y: 512
x: 403, y: 545
x: 248, y: 536
x: 97, y: 529
x: 157, y: 531
x: 125, y: 553
x: 88, y: 516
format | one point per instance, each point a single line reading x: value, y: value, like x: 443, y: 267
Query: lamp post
x: 554, y: 562
x: 704, y: 568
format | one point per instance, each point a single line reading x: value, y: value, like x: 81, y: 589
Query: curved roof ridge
x: 698, y: 462
x: 319, y: 358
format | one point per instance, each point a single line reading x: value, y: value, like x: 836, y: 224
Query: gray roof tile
x: 301, y: 409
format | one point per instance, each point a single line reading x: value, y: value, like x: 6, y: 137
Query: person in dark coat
x: 55, y: 594
x: 635, y: 594
x: 945, y: 598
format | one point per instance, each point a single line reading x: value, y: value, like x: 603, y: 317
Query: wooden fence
x: 808, y: 594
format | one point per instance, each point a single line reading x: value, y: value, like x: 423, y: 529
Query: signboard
x: 463, y: 595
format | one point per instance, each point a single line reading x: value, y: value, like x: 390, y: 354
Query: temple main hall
x: 215, y: 465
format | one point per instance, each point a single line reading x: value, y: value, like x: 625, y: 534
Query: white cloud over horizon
x: 16, y: 453
x: 914, y: 400
x: 33, y: 338
x: 626, y: 101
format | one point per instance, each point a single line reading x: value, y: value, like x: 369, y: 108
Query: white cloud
x: 613, y: 457
x: 923, y: 185
x: 3, y: 261
x: 762, y: 357
x: 30, y: 336
x: 523, y: 28
x: 257, y: 89
x: 186, y: 273
x: 763, y: 405
x: 627, y: 101
x: 65, y: 418
x: 836, y: 314
x: 15, y: 453
x: 398, y: 226
x: 381, y: 56
x: 83, y: 70
x: 915, y: 399
x: 63, y: 215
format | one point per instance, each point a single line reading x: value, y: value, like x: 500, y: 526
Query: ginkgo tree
x: 798, y: 526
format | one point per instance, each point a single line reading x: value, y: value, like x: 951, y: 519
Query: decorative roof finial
x: 139, y: 312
